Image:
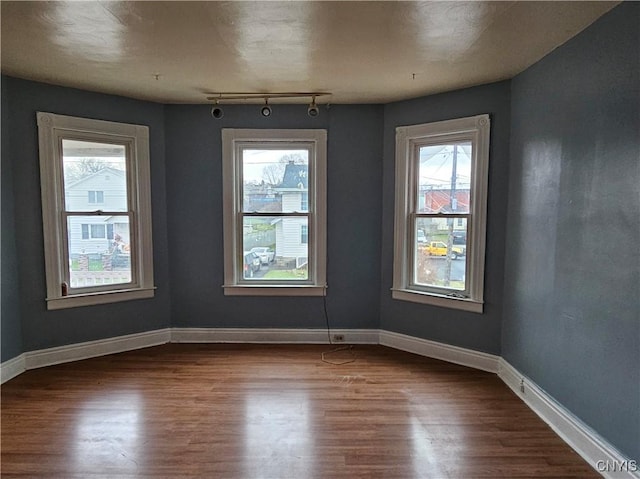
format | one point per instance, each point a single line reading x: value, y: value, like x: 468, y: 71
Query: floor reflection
x: 427, y: 461
x: 108, y: 434
x: 278, y: 436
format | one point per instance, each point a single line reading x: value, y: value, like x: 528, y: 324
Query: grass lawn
x: 444, y: 237
x: 285, y: 274
x: 94, y: 265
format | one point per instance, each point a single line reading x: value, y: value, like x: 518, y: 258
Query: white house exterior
x: 104, y: 190
x: 291, y: 232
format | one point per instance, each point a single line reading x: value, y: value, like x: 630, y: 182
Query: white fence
x: 81, y: 279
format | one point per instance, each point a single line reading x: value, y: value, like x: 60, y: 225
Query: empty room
x: 320, y: 239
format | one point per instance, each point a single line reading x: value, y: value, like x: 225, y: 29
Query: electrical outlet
x: 338, y: 338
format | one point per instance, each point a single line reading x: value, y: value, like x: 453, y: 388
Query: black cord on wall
x: 346, y: 347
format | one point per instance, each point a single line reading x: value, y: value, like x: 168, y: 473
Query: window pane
x: 98, y: 231
x: 444, y: 178
x: 273, y: 248
x: 99, y: 250
x: 94, y: 176
x: 275, y: 180
x: 440, y: 248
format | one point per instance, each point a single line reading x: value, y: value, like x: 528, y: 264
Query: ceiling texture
x: 361, y: 52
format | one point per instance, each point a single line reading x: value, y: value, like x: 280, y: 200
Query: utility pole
x: 453, y: 203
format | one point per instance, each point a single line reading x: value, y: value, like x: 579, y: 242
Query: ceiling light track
x: 231, y: 96
x: 218, y: 113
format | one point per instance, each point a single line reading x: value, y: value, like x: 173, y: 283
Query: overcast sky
x: 254, y: 161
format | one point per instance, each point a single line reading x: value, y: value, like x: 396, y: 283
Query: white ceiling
x: 362, y: 52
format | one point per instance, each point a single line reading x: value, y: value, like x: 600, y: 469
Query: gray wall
x: 10, y: 324
x: 469, y: 330
x: 194, y: 185
x: 572, y: 314
x: 42, y: 328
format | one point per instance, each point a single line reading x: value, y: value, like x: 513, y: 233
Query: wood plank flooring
x: 273, y: 411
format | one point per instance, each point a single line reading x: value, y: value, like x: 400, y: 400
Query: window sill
x: 262, y: 290
x: 463, y: 304
x: 103, y: 297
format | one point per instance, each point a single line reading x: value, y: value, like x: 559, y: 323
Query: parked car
x: 251, y: 264
x: 267, y: 255
x: 421, y: 237
x: 460, y: 237
x: 439, y: 248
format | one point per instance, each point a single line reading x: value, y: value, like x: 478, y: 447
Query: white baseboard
x: 445, y: 352
x: 12, y: 368
x: 92, y: 349
x: 271, y: 335
x: 585, y: 441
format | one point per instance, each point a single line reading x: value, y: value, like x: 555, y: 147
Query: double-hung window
x: 274, y: 212
x: 440, y: 212
x: 96, y: 209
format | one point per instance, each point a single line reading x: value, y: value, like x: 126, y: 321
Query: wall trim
x: 580, y: 437
x: 271, y: 335
x: 93, y: 349
x: 12, y: 368
x: 432, y: 349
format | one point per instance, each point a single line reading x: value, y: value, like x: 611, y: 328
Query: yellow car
x: 439, y: 248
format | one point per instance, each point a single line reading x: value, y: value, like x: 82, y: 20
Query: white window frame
x: 408, y: 141
x: 233, y: 140
x: 52, y: 129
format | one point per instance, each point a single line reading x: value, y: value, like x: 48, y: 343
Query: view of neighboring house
x: 439, y: 201
x: 291, y: 232
x: 103, y: 190
x: 444, y: 184
x: 261, y: 197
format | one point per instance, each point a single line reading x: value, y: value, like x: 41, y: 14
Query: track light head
x: 313, y: 110
x: 266, y: 109
x: 217, y: 112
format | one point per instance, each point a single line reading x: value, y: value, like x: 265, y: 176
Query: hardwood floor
x: 273, y: 411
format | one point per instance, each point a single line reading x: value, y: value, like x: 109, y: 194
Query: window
x: 96, y: 196
x: 99, y: 231
x: 440, y: 212
x: 275, y: 206
x: 95, y: 255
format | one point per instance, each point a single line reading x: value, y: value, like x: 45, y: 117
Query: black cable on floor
x: 346, y: 347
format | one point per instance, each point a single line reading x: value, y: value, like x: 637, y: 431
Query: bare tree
x: 296, y: 158
x: 77, y: 170
x: 273, y: 173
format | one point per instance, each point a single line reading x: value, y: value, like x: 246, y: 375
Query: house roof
x: 296, y: 177
x: 112, y: 171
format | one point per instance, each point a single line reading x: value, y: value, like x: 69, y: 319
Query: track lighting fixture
x: 313, y: 111
x: 217, y: 112
x: 266, y: 109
